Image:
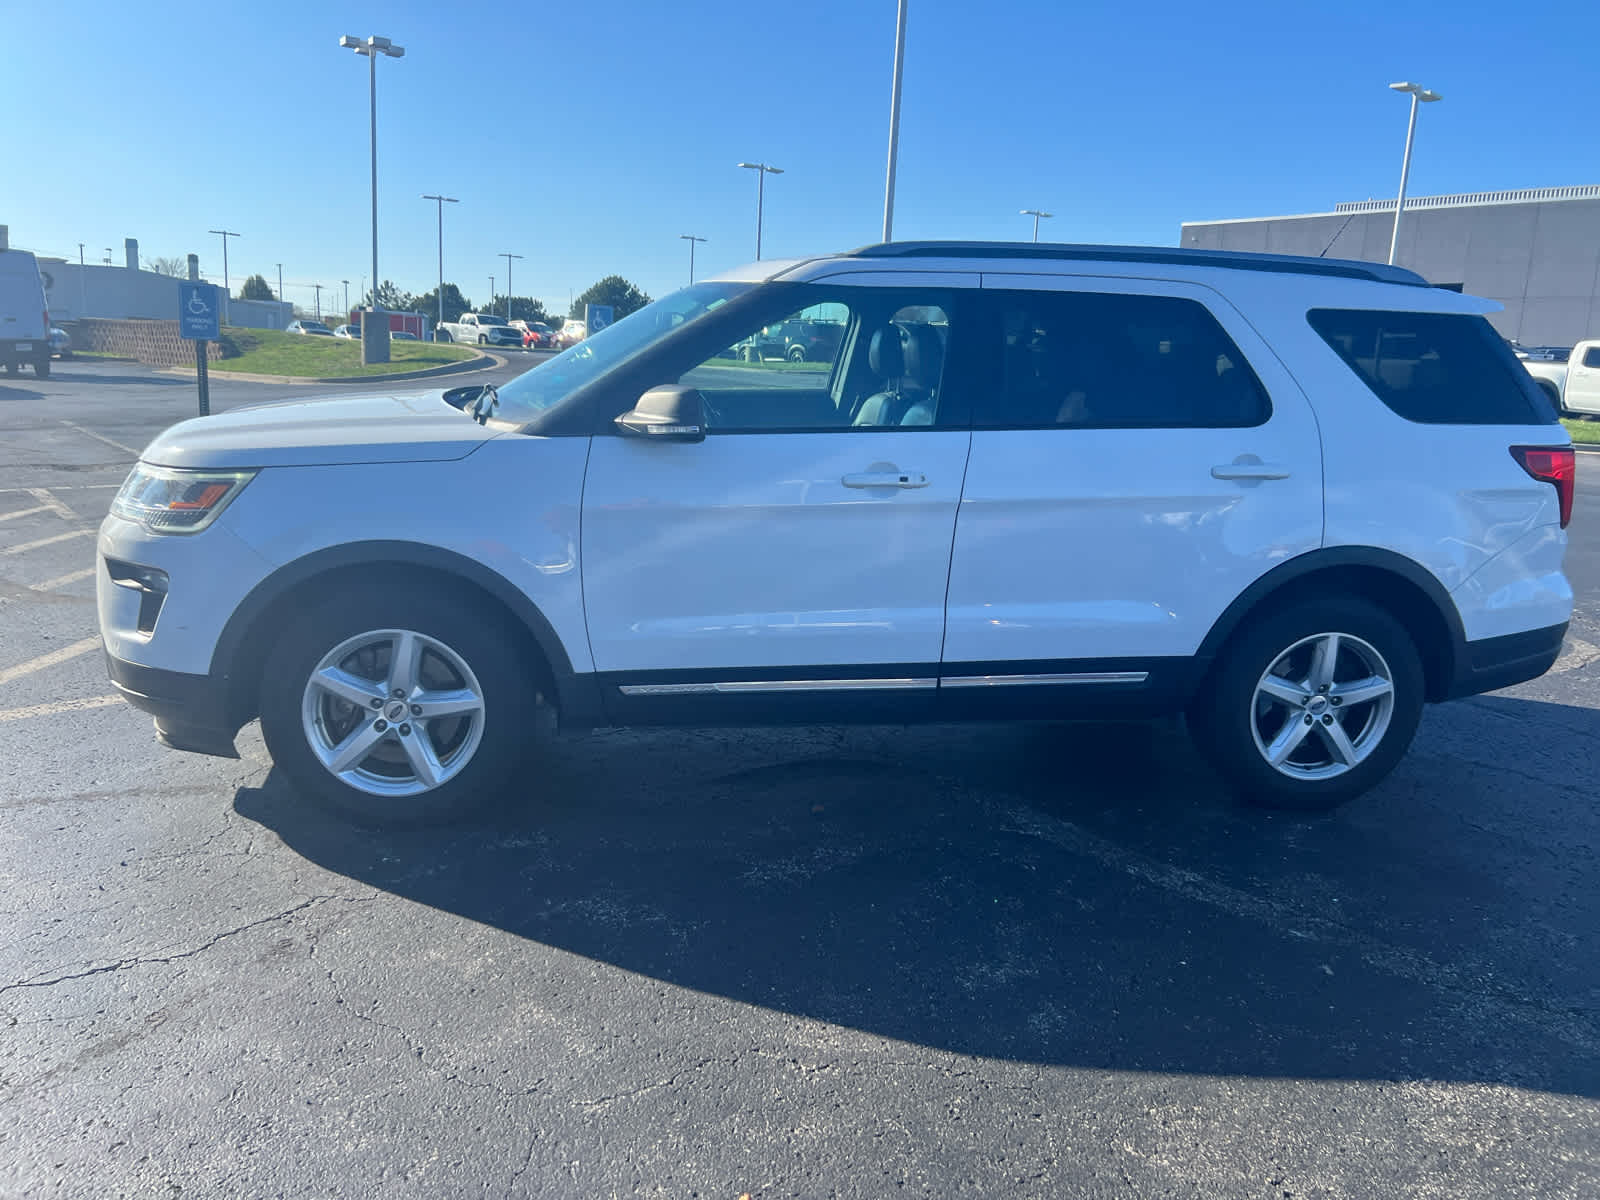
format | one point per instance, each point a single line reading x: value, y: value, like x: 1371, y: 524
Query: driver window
x: 866, y: 359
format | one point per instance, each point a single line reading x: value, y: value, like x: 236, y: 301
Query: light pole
x: 374, y: 345
x: 443, y: 200
x: 894, y: 123
x: 318, y: 288
x: 1036, y: 213
x: 491, y: 293
x: 108, y: 256
x: 225, y: 234
x: 508, y: 258
x: 280, y: 283
x: 691, y: 239
x: 83, y: 286
x: 346, y: 283
x: 762, y: 171
x: 1419, y: 95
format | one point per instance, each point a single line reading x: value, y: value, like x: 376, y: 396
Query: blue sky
x: 587, y: 137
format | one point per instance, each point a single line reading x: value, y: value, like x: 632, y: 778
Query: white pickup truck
x: 1573, y: 385
x: 481, y: 329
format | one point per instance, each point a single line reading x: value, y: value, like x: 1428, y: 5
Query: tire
x: 797, y: 354
x: 1554, y: 393
x: 461, y: 665
x: 482, y: 341
x: 747, y: 354
x: 41, y: 367
x: 1328, y: 751
x: 11, y: 367
x: 444, y: 336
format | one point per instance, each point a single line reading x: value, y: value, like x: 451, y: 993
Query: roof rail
x: 1237, y: 260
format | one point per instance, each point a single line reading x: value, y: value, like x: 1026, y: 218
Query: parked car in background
x: 308, y: 327
x: 24, y: 315
x: 536, y: 335
x: 570, y: 334
x: 403, y: 335
x: 481, y: 329
x: 348, y: 331
x: 799, y: 340
x: 1573, y: 381
x: 60, y: 343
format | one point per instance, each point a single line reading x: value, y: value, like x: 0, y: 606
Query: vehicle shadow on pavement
x: 12, y: 393
x: 1081, y: 895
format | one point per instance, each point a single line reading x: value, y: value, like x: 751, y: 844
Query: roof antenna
x: 1337, y: 236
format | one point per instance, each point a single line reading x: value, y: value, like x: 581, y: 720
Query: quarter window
x: 1591, y: 357
x: 1090, y: 360
x: 1434, y: 368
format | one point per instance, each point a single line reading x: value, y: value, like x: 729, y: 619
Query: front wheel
x: 797, y: 354
x: 398, y: 708
x: 1313, y: 705
x: 41, y: 367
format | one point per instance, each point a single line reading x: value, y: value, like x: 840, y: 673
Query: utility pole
x: 318, y: 288
x: 508, y: 258
x: 83, y: 285
x: 894, y: 123
x: 346, y: 283
x: 280, y: 289
x: 691, y: 239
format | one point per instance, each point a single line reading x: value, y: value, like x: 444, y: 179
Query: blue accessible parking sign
x: 198, y: 318
x: 597, y: 317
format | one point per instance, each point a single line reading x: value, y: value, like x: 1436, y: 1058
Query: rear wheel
x: 395, y: 708
x: 41, y: 367
x: 797, y: 354
x: 11, y: 366
x: 1313, y: 705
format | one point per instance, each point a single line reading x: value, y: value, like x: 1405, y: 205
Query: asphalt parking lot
x: 980, y: 960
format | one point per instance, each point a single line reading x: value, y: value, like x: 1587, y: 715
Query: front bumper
x: 190, y: 711
x: 1497, y: 662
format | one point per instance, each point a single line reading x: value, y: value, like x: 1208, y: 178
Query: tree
x: 622, y: 296
x: 454, y: 303
x: 178, y: 268
x: 390, y: 298
x: 256, y: 288
x: 523, y: 308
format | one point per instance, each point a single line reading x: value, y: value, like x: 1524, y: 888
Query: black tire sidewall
x: 1220, y: 718
x: 486, y: 645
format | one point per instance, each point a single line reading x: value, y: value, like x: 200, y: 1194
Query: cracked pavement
x: 977, y: 961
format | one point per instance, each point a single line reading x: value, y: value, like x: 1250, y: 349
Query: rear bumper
x: 1498, y: 662
x: 190, y: 710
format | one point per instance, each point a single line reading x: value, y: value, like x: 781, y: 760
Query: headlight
x: 164, y: 500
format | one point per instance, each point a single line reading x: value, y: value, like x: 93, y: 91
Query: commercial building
x: 1536, y: 251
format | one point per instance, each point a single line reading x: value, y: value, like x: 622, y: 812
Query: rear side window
x: 1435, y: 368
x: 1095, y: 360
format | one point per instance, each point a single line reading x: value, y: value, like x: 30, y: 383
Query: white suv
x: 1292, y: 498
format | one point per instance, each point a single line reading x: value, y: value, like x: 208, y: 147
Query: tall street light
x: 894, y: 123
x: 508, y: 258
x: 691, y: 239
x: 225, y: 235
x: 371, y: 48
x: 762, y: 171
x: 1036, y: 213
x: 1419, y: 95
x: 346, y: 283
x: 442, y: 201
x: 280, y: 283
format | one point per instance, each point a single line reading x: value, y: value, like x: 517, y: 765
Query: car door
x: 1583, y: 379
x: 796, y: 559
x: 1138, y: 459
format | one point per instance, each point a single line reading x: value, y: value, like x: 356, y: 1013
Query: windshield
x: 540, y: 389
x: 485, y: 319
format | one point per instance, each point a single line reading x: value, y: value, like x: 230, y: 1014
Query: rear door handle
x: 1257, y: 470
x: 879, y: 479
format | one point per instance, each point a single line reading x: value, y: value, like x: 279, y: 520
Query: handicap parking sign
x: 597, y: 317
x: 198, y: 318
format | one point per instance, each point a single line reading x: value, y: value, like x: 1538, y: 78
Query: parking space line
x: 25, y: 512
x: 50, y: 585
x: 64, y: 487
x: 49, y: 660
x: 99, y: 437
x: 44, y: 496
x: 24, y: 547
x: 59, y: 706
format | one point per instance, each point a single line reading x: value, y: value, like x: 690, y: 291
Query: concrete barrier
x: 154, y: 342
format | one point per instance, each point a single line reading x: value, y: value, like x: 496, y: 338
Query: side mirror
x: 671, y: 412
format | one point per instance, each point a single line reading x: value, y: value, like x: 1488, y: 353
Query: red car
x: 536, y: 335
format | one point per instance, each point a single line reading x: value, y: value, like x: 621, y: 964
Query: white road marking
x: 64, y: 487
x: 49, y: 660
x: 45, y: 497
x: 23, y: 547
x: 25, y: 512
x: 100, y: 437
x: 49, y: 585
x: 59, y: 706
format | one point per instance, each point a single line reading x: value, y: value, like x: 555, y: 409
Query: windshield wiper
x: 487, y: 401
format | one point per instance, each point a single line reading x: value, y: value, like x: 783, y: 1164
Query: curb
x: 481, y: 363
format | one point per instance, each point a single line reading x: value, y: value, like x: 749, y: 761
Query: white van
x: 24, y: 317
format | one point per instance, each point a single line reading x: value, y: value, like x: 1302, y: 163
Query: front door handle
x: 1255, y: 470
x: 881, y: 479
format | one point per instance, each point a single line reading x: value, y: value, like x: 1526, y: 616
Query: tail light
x: 1552, y: 464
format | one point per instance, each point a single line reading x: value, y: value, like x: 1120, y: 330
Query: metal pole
x: 1036, y: 227
x: 83, y: 285
x: 346, y: 283
x: 372, y: 63
x: 440, y: 207
x: 202, y: 379
x: 1405, y: 171
x: 691, y: 262
x: 761, y: 193
x: 894, y: 124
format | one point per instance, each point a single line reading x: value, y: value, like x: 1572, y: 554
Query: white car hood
x: 324, y: 430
